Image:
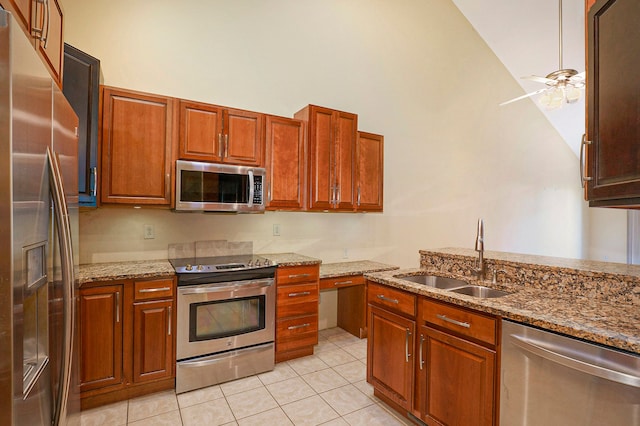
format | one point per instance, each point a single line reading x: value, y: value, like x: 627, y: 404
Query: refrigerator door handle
x: 61, y: 215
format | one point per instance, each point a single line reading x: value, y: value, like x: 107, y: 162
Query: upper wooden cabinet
x: 332, y: 138
x: 137, y: 148
x: 613, y: 104
x: 369, y: 172
x: 42, y: 21
x: 219, y: 134
x: 285, y: 163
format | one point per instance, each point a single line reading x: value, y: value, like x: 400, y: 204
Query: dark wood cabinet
x: 101, y: 318
x: 613, y: 104
x: 219, y: 134
x: 137, y: 148
x: 331, y: 139
x: 42, y: 22
x: 127, y: 343
x: 81, y: 87
x: 369, y: 172
x: 285, y: 163
x: 296, y: 311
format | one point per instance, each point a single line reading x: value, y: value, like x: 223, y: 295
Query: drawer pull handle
x: 452, y: 321
x: 153, y: 290
x: 343, y: 282
x: 299, y: 275
x: 293, y: 327
x: 302, y: 293
x: 386, y: 299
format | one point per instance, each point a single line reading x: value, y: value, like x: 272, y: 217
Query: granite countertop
x: 124, y: 270
x: 290, y: 259
x: 358, y: 267
x: 606, y: 321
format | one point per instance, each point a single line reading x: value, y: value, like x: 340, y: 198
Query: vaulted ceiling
x: 524, y: 36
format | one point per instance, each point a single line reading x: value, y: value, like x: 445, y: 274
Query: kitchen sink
x: 480, y: 291
x: 434, y: 281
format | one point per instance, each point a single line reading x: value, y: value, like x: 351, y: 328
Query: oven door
x: 224, y: 316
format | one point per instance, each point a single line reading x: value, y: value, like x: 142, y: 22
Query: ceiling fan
x: 562, y: 85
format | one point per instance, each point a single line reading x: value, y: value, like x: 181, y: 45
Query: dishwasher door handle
x: 584, y: 366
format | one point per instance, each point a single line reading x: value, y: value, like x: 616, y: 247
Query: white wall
x: 414, y: 71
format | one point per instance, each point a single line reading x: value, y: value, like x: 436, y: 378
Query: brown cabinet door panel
x: 22, y: 12
x: 321, y: 141
x: 152, y: 344
x: 613, y: 103
x: 285, y: 163
x: 136, y: 148
x: 100, y: 316
x: 390, y: 355
x: 244, y: 141
x: 457, y: 380
x: 369, y: 172
x: 347, y: 130
x: 200, y: 132
x: 52, y: 48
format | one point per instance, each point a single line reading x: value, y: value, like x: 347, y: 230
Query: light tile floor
x: 327, y: 388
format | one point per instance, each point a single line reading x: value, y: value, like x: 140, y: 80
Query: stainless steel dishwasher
x: 548, y: 379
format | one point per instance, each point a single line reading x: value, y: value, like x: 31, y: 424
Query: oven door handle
x: 212, y: 359
x: 234, y: 285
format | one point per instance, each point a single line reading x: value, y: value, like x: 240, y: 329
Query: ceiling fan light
x: 573, y: 94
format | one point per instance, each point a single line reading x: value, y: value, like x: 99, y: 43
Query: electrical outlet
x: 276, y: 230
x: 149, y: 232
x: 345, y: 253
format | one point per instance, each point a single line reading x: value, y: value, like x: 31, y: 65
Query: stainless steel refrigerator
x: 38, y: 239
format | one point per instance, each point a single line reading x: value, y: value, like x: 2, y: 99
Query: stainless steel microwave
x: 219, y: 187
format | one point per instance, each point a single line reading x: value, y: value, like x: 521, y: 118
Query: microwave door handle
x: 251, y: 188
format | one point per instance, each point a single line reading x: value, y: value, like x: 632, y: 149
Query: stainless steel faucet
x: 479, y: 268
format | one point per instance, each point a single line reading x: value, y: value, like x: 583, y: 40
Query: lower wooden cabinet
x: 390, y: 358
x: 126, y: 339
x: 455, y: 381
x: 296, y: 311
x: 100, y: 318
x: 432, y: 359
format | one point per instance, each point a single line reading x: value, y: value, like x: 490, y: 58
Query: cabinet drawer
x: 458, y: 320
x: 296, y: 333
x: 297, y: 274
x: 338, y: 282
x: 392, y: 299
x: 300, y: 299
x: 153, y: 289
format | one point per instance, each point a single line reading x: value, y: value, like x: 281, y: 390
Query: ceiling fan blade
x: 523, y: 96
x: 540, y: 79
x: 578, y: 77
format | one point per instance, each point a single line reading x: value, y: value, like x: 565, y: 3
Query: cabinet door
x: 613, y: 103
x: 321, y: 142
x: 21, y: 10
x: 81, y: 87
x: 136, y: 148
x: 244, y: 140
x: 456, y: 380
x: 201, y: 137
x: 100, y: 319
x: 344, y: 162
x: 51, y: 45
x: 285, y: 161
x: 369, y: 172
x: 390, y: 355
x: 153, y: 340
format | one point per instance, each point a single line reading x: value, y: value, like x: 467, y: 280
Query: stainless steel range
x: 226, y: 319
